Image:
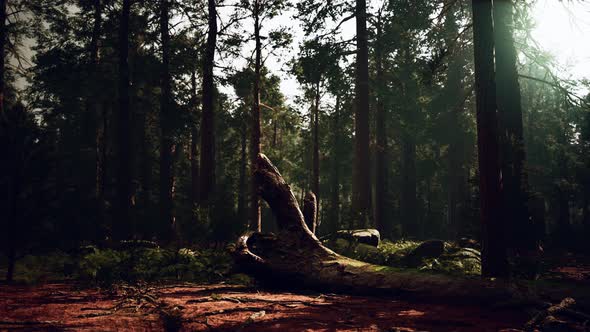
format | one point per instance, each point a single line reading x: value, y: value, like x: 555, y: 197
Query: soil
x: 221, y: 307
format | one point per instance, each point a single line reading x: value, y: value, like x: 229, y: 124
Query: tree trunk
x: 310, y: 211
x: 494, y: 261
x: 194, y: 153
x: 242, y: 189
x: 408, y: 199
x: 315, y: 182
x: 167, y: 145
x: 334, y: 212
x: 456, y: 180
x: 121, y: 226
x: 3, y: 42
x: 207, y: 115
x: 295, y: 257
x: 361, y: 192
x: 381, y: 138
x: 255, y: 222
x: 514, y: 181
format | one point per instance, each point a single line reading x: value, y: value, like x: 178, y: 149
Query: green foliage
x: 108, y: 266
x: 460, y: 261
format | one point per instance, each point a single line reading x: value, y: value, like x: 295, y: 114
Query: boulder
x: 366, y: 236
x: 426, y: 249
x: 468, y: 243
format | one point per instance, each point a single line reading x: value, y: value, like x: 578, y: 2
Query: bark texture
x: 207, y: 116
x: 121, y: 226
x: 255, y: 221
x: 310, y: 211
x: 514, y: 180
x: 361, y: 185
x: 494, y: 260
x: 167, y: 144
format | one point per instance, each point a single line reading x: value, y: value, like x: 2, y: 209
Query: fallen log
x: 295, y: 257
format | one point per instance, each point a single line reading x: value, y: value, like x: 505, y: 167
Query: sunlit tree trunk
x: 361, y: 186
x: 121, y: 226
x: 494, y: 261
x: 207, y: 116
x: 255, y: 222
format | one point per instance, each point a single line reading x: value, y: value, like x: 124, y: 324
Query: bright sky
x: 563, y: 29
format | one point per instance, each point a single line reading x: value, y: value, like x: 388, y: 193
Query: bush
x: 150, y: 264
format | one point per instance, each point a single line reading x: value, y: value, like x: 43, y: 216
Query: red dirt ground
x: 220, y: 307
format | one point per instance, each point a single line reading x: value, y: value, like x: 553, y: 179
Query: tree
x: 514, y: 182
x: 167, y: 144
x: 121, y: 224
x: 494, y: 260
x: 207, y: 163
x: 361, y: 192
x: 3, y: 41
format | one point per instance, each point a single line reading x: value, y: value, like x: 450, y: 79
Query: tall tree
x: 255, y: 221
x: 361, y: 192
x: 207, y: 164
x: 167, y: 144
x: 494, y: 260
x: 123, y: 211
x: 514, y: 181
x: 3, y: 42
x: 380, y: 131
x: 194, y: 152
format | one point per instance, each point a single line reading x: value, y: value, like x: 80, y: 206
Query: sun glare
x: 563, y: 29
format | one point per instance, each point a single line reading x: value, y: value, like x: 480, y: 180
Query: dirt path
x: 231, y: 308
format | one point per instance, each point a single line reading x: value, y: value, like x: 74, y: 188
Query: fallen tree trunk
x: 295, y: 257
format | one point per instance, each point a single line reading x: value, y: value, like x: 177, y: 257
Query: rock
x: 468, y: 243
x: 365, y: 236
x: 426, y: 249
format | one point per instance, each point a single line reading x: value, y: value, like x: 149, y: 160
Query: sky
x: 563, y: 29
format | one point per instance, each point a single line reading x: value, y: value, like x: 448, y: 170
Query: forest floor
x: 224, y: 307
x: 219, y: 307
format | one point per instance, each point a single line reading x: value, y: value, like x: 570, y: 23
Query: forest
x: 262, y: 165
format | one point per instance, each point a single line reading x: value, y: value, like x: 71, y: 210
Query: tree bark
x: 121, y: 227
x: 381, y: 137
x: 207, y: 114
x: 255, y: 222
x: 295, y: 257
x: 310, y: 211
x: 242, y: 188
x: 514, y: 180
x: 167, y: 144
x: 494, y: 260
x: 334, y: 212
x: 194, y: 153
x: 3, y: 43
x: 361, y: 192
x: 315, y: 183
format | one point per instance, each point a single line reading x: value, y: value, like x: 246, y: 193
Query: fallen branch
x: 295, y: 257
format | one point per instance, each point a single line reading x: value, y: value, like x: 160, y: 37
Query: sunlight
x: 562, y: 29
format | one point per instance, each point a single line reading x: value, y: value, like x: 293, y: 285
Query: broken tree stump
x: 310, y: 211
